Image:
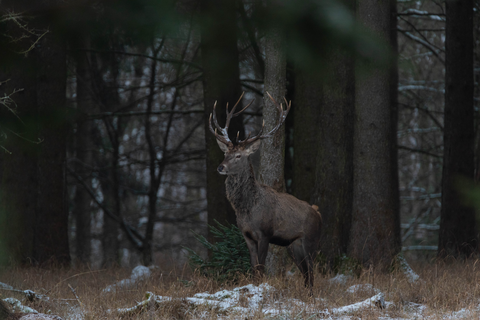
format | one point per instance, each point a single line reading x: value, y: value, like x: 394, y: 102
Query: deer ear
x: 253, y: 147
x: 222, y: 146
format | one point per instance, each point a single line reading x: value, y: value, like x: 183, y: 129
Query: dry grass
x: 445, y: 288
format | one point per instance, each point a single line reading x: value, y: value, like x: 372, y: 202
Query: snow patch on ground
x: 247, y: 300
x: 139, y: 273
x: 5, y: 286
x: 367, y: 287
x: 340, y: 279
x: 18, y: 306
x: 377, y: 300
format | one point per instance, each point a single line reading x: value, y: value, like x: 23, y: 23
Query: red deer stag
x: 264, y: 215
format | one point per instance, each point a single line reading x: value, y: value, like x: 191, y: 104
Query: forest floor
x: 444, y: 291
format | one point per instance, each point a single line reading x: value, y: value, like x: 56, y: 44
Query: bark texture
x: 333, y: 190
x: 51, y: 236
x: 20, y: 167
x: 221, y: 83
x: 83, y: 147
x: 272, y: 152
x: 375, y: 232
x: 307, y: 104
x: 34, y: 181
x: 457, y: 226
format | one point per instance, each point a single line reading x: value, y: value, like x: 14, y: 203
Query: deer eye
x: 238, y: 156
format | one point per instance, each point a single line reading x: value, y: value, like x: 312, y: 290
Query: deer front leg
x: 253, y: 250
x: 258, y: 253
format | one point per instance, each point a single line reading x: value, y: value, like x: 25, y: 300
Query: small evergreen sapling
x: 229, y: 255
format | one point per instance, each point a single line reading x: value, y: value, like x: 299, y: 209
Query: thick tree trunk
x: 221, y: 83
x: 457, y: 227
x: 83, y: 147
x: 272, y: 152
x: 19, y: 183
x: 51, y: 231
x: 333, y: 189
x: 34, y: 180
x: 375, y: 233
x: 307, y: 104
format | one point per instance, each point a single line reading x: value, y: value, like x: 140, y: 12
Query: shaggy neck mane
x: 242, y: 190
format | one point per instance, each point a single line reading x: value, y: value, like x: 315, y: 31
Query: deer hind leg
x: 301, y: 259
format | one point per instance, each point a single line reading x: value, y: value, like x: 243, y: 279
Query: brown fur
x: 264, y: 215
x: 267, y: 216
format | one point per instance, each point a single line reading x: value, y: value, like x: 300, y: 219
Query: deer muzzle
x: 222, y: 169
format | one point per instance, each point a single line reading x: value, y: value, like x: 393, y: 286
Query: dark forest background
x: 106, y: 158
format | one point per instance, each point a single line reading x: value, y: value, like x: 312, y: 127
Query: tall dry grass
x: 445, y: 287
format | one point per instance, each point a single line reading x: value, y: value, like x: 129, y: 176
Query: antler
x: 281, y: 119
x: 223, y: 137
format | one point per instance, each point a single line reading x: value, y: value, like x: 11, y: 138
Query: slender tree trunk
x: 51, y: 231
x: 82, y: 209
x: 457, y: 226
x: 110, y: 191
x: 375, y: 233
x: 221, y: 83
x: 111, y: 181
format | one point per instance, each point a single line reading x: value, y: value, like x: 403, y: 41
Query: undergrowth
x: 444, y: 288
x: 229, y: 257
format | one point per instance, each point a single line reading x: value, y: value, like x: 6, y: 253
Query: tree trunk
x: 306, y: 107
x: 34, y: 174
x: 221, y: 83
x: 108, y: 91
x: 51, y: 236
x: 333, y: 189
x: 272, y: 153
x: 457, y: 227
x: 375, y: 232
x: 19, y: 183
x: 81, y: 208
x: 110, y: 191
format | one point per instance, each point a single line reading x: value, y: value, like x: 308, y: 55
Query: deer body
x: 264, y: 215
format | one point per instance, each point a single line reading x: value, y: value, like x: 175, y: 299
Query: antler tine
x: 223, y: 138
x: 231, y: 114
x: 249, y: 140
x: 238, y: 101
x: 215, y: 117
x: 281, y: 119
x: 288, y: 106
x: 248, y: 105
x: 282, y: 116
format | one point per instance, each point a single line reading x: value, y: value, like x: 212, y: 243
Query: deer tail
x: 315, y: 207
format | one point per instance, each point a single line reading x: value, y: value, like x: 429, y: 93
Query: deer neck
x: 242, y: 190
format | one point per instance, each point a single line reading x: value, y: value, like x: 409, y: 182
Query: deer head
x: 236, y: 155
